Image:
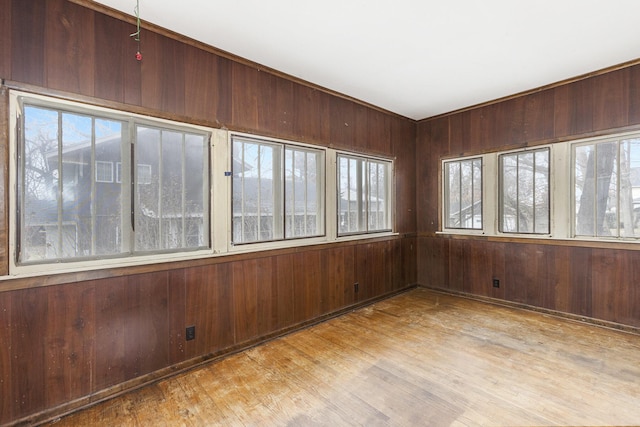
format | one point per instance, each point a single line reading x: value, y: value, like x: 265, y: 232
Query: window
x: 463, y: 194
x: 104, y: 171
x: 524, y: 192
x: 363, y: 195
x: 99, y: 188
x: 277, y: 191
x: 72, y: 207
x: 606, y: 188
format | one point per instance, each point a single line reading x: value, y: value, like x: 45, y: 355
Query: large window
x: 278, y: 191
x: 524, y: 192
x: 606, y: 188
x: 463, y: 194
x: 77, y: 198
x: 364, y: 202
x: 101, y: 188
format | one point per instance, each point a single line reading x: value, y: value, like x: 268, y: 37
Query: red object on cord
x: 138, y: 56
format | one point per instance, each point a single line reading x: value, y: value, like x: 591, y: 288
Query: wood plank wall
x: 599, y: 281
x: 85, y: 335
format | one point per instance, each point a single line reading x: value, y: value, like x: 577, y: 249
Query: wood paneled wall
x: 597, y: 282
x: 86, y: 335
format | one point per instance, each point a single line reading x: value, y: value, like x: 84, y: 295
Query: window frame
x: 389, y: 196
x: 279, y: 190
x: 445, y: 203
x: 501, y: 179
x: 128, y: 256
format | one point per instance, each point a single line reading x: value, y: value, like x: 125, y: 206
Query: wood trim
x: 630, y: 246
x: 11, y: 283
x: 561, y: 314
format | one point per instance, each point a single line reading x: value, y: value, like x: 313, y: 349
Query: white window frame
x: 559, y: 178
x: 501, y: 203
x: 389, y: 195
x: 98, y: 178
x: 445, y: 192
x: 74, y: 265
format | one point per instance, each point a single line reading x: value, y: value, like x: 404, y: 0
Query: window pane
x: 463, y: 194
x: 596, y: 189
x: 524, y: 196
x: 303, y: 190
x: 67, y: 211
x: 363, y: 188
x: 257, y: 188
x: 171, y: 209
x: 39, y: 186
x: 351, y: 195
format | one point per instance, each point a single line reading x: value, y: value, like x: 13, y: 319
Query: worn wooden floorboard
x: 419, y: 358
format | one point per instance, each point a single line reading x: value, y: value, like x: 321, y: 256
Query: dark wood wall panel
x: 27, y: 41
x: 69, y: 41
x: 5, y: 39
x: 6, y: 356
x: 102, y: 332
x: 592, y: 282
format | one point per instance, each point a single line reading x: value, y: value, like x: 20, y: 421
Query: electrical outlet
x: 496, y: 283
x: 191, y: 333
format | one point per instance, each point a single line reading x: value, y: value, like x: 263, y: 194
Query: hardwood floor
x: 419, y: 358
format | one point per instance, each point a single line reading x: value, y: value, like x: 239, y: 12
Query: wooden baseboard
x: 562, y: 314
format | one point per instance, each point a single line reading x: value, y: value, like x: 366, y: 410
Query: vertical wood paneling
x: 27, y: 41
x: 69, y: 44
x: 409, y: 265
x: 538, y: 116
x: 611, y: 99
x: 245, y: 298
x: 111, y: 52
x: 284, y: 266
x: 6, y: 368
x: 112, y: 320
x: 147, y: 331
x: 432, y: 264
x: 403, y: 136
x: 490, y: 263
x: 340, y: 277
x: 455, y: 265
x: 176, y: 312
x: 29, y: 310
x: 163, y: 74
x: 573, y: 105
x: 311, y: 115
x: 613, y: 274
x: 70, y: 343
x: 210, y: 302
x: 203, y: 94
x: 430, y: 137
x: 308, y: 279
x: 5, y: 44
x: 342, y: 123
x: 460, y: 135
x: 244, y: 101
x: 508, y: 123
x: 267, y: 296
x: 360, y: 126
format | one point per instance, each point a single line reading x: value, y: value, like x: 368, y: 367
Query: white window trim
x: 44, y: 268
x: 219, y: 199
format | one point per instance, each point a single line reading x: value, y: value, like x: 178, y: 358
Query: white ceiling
x: 417, y: 58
